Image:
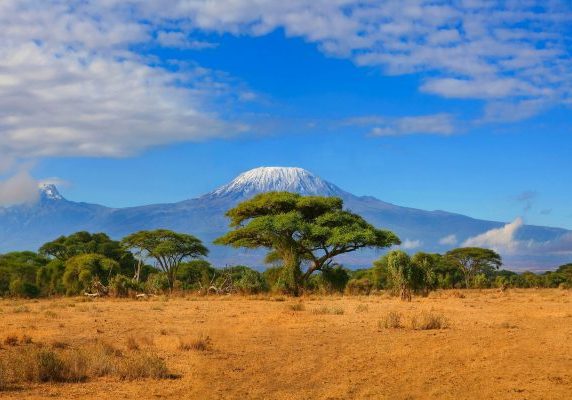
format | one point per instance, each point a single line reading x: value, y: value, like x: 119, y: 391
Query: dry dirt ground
x: 513, y: 345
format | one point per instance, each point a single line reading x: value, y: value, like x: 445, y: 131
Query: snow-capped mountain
x: 49, y: 191
x: 277, y: 179
x: 26, y: 227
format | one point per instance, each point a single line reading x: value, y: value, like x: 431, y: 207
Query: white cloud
x: 449, y: 240
x: 438, y: 124
x: 486, y: 50
x: 19, y: 188
x: 180, y: 40
x: 411, y: 244
x: 500, y: 239
x: 435, y: 124
x: 504, y: 240
x: 70, y: 85
x: 71, y: 82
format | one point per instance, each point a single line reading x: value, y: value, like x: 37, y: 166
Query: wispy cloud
x: 19, y: 188
x: 411, y: 244
x: 449, y: 240
x: 435, y: 124
x: 527, y: 199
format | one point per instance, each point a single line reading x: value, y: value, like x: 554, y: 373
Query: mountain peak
x: 270, y: 179
x: 49, y: 191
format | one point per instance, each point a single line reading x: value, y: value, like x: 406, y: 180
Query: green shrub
x: 19, y: 288
x: 157, y: 283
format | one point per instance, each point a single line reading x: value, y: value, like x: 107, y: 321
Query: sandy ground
x: 514, y: 345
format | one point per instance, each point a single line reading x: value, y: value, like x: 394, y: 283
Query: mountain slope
x: 28, y: 226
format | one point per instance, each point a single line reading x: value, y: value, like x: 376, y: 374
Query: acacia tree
x: 169, y: 249
x: 65, y: 247
x: 474, y: 260
x: 301, y: 230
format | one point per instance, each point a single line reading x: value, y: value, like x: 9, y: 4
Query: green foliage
x: 474, y: 260
x: 66, y: 247
x: 157, y: 283
x: 18, y: 273
x: 121, y: 285
x: 402, y: 273
x: 249, y: 281
x: 168, y: 248
x: 83, y: 270
x: 272, y: 276
x: 49, y: 278
x: 20, y: 288
x: 195, y: 273
x: 300, y: 229
x: 332, y: 279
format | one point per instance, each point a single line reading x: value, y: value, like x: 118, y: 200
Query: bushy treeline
x: 95, y: 264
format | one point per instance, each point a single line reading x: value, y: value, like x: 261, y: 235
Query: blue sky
x: 456, y: 105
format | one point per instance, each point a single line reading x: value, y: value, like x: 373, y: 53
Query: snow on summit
x: 268, y: 179
x: 50, y: 191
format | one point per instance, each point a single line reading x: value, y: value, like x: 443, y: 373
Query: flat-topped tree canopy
x: 300, y: 230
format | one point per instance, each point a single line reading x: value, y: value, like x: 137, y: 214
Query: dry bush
x: 37, y: 364
x: 143, y: 365
x: 328, y: 310
x: 201, y: 343
x: 4, y: 376
x: 428, y: 320
x: 51, y: 314
x: 11, y: 340
x: 131, y: 343
x: 392, y: 320
x: 163, y: 332
x: 296, y: 307
x: 26, y: 339
x: 507, y: 325
x: 58, y: 344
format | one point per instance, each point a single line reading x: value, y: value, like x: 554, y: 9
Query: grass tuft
x: 328, y: 310
x: 429, y: 320
x: 297, y: 307
x: 392, y: 320
x: 201, y: 343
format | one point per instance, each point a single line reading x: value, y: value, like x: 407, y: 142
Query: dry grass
x: 328, y: 310
x: 362, y: 308
x: 200, y: 343
x: 392, y: 320
x: 427, y: 320
x: 66, y: 364
x: 259, y: 349
x: 131, y: 343
x: 296, y: 307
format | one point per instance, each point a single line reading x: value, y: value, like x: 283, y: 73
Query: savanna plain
x: 465, y: 344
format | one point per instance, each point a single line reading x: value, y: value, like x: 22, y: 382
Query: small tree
x: 404, y: 276
x: 474, y: 260
x: 169, y: 249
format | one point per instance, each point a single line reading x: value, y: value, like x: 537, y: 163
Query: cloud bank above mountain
x: 72, y: 83
x: 76, y: 78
